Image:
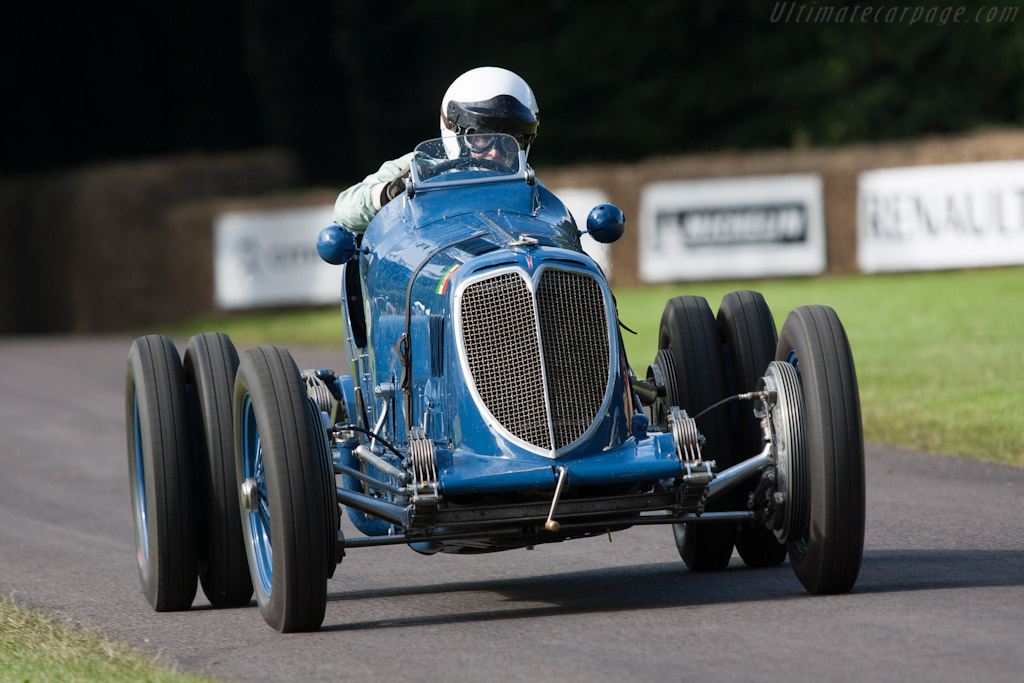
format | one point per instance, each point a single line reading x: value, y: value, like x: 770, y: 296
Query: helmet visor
x: 501, y: 114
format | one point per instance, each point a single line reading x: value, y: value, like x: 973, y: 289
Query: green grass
x: 34, y: 647
x: 939, y: 355
x: 303, y: 326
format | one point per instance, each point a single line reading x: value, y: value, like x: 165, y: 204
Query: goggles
x: 481, y: 143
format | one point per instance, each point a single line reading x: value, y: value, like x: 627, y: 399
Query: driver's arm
x: 357, y: 205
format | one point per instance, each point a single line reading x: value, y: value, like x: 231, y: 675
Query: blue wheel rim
x: 141, y: 517
x: 259, y: 520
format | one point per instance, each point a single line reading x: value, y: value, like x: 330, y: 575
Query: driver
x: 479, y: 103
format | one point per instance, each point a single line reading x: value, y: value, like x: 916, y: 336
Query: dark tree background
x: 348, y: 84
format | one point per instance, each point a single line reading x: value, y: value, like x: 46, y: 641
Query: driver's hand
x: 396, y: 186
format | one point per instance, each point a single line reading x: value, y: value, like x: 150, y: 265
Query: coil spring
x: 317, y: 390
x: 422, y: 460
x: 685, y: 435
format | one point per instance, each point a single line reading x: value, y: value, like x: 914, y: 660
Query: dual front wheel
x: 709, y: 359
x: 199, y: 430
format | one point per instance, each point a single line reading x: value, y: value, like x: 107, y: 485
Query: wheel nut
x: 250, y: 495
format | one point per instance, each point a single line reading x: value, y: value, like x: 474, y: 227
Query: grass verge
x: 35, y: 647
x: 939, y: 355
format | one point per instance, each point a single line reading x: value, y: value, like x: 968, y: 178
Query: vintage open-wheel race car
x: 488, y: 405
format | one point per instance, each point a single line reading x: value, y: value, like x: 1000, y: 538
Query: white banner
x: 269, y: 258
x: 755, y: 226
x: 937, y: 217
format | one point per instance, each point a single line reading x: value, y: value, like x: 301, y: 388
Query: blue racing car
x: 489, y: 405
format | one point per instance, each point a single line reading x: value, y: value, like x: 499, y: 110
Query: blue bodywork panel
x: 416, y: 257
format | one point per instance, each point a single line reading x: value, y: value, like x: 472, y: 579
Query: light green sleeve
x: 355, y: 207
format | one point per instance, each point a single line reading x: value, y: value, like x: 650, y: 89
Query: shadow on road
x: 604, y: 590
x: 897, y: 571
x: 664, y: 585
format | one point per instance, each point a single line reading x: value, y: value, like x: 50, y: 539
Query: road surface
x: 940, y: 595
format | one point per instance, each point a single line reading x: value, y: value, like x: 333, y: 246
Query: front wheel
x: 283, y: 484
x: 826, y: 555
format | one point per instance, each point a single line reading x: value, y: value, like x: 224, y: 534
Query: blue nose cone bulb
x: 606, y: 223
x: 336, y: 245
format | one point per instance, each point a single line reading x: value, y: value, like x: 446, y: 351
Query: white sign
x: 269, y: 258
x: 579, y: 202
x: 936, y: 217
x: 756, y: 226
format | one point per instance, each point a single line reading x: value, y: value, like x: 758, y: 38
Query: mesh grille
x: 502, y: 349
x: 574, y: 332
x: 503, y: 355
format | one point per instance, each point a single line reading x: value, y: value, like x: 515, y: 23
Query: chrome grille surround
x: 537, y: 352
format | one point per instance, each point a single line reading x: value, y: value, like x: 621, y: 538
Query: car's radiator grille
x: 574, y: 334
x: 499, y: 329
x: 503, y: 355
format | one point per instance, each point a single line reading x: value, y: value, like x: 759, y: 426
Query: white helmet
x: 490, y: 99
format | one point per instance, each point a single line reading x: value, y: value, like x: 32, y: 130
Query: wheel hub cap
x: 250, y: 495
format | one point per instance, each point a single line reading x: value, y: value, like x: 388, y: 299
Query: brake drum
x: 789, y: 447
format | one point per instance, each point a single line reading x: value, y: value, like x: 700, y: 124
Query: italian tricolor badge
x: 442, y: 285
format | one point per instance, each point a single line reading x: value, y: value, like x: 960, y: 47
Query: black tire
x: 827, y: 556
x: 288, y: 538
x: 161, y: 473
x: 689, y: 333
x: 748, y: 334
x: 332, y: 509
x: 210, y: 365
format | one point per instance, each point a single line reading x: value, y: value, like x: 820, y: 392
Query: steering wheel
x: 466, y: 163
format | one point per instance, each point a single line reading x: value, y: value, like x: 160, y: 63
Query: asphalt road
x: 940, y: 595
